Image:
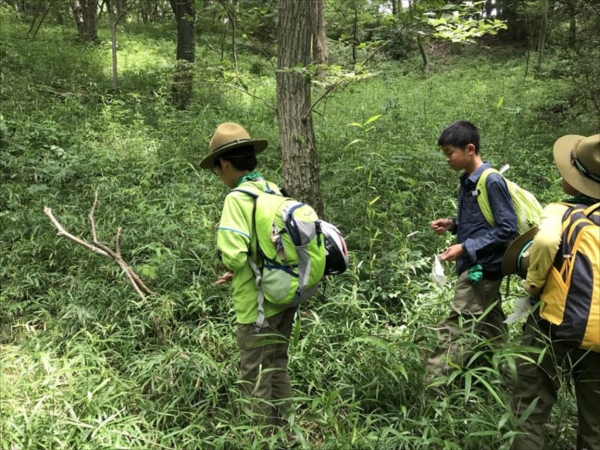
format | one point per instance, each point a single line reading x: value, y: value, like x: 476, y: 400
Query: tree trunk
x: 233, y: 18
x: 423, y: 54
x: 112, y: 21
x: 296, y: 133
x: 155, y: 15
x: 355, y: 35
x: 37, y: 13
x: 144, y: 11
x: 233, y: 44
x: 121, y: 9
x: 41, y: 21
x: 551, y: 7
x: 572, y: 25
x: 542, y: 38
x: 489, y: 7
x: 395, y: 7
x: 86, y: 13
x: 517, y: 30
x: 186, y: 52
x: 223, y: 38
x: 319, y: 37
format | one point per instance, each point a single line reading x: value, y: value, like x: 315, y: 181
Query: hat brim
x: 570, y: 173
x: 510, y: 261
x: 259, y: 146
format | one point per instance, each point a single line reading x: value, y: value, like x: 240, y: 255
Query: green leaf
x: 355, y: 141
x: 504, y: 419
x: 372, y: 119
x: 149, y: 271
x: 527, y: 412
x: 296, y: 337
x: 37, y: 188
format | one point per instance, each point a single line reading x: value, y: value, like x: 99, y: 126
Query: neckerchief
x: 252, y: 176
x: 581, y: 198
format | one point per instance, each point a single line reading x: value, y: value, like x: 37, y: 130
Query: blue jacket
x: 484, y: 244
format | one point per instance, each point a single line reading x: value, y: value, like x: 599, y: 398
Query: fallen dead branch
x: 98, y: 247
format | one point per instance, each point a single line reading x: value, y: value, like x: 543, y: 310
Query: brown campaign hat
x: 578, y: 161
x: 229, y: 136
x: 516, y: 257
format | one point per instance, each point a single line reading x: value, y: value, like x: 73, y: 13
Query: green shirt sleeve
x: 233, y: 236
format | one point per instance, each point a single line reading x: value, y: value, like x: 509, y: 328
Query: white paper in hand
x: 437, y: 273
x: 522, y: 307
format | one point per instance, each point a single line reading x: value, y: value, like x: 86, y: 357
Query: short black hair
x: 460, y: 134
x: 241, y: 158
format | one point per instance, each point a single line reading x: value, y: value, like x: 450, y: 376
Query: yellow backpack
x: 571, y: 296
x: 527, y: 208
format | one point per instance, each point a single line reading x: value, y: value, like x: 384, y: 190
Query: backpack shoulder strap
x: 482, y: 196
x: 485, y: 174
x: 245, y: 191
x: 256, y: 191
x: 593, y: 209
x: 261, y: 320
x: 573, y: 208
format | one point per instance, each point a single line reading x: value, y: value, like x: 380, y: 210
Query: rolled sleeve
x: 470, y: 249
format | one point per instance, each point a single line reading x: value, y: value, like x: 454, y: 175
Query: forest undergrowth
x: 87, y: 364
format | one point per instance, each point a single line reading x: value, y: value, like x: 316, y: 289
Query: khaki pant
x: 263, y: 367
x: 477, y: 313
x: 543, y: 380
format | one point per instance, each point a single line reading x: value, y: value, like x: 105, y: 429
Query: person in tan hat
x: 565, y: 328
x: 263, y: 351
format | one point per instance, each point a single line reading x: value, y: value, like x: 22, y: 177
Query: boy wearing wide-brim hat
x: 263, y: 351
x: 578, y: 161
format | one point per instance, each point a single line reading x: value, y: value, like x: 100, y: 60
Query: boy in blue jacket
x: 478, y: 251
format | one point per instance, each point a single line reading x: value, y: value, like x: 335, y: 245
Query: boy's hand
x: 452, y: 253
x: 440, y: 226
x: 225, y: 278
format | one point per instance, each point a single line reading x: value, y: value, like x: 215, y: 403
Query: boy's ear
x: 224, y: 164
x: 470, y: 148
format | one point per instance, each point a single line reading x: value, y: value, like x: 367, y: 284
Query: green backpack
x: 291, y: 249
x: 527, y: 208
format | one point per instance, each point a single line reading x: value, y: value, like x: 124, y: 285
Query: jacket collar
x: 475, y: 175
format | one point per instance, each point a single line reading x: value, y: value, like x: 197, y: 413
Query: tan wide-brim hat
x: 229, y: 136
x: 578, y: 161
x: 516, y: 257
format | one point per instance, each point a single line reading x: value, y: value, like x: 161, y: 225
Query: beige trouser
x: 263, y: 367
x: 476, y: 313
